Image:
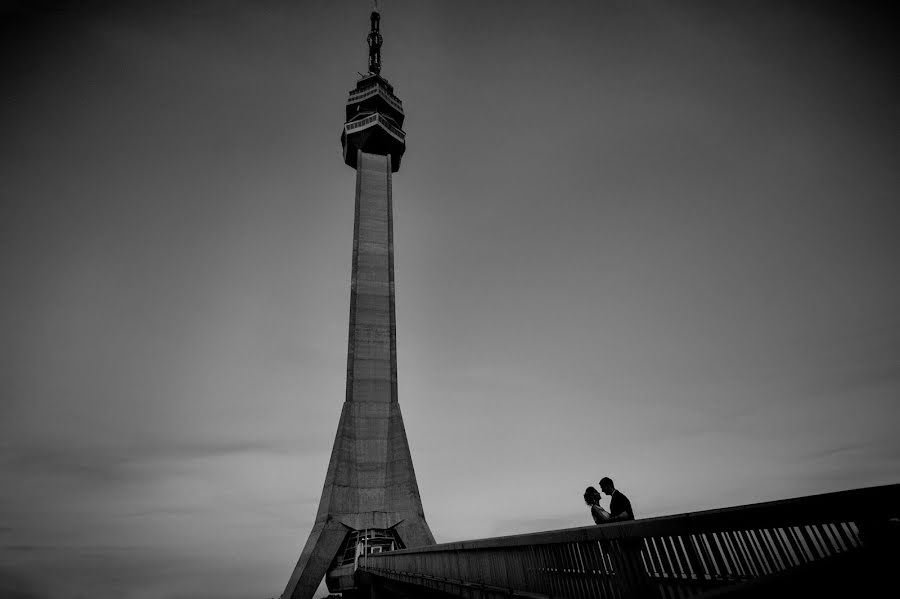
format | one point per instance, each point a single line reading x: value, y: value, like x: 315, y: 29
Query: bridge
x: 845, y: 542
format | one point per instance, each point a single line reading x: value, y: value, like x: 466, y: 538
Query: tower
x: 370, y: 501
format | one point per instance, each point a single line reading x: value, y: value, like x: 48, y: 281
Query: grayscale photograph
x: 421, y: 299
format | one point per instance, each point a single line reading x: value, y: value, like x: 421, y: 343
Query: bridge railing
x: 671, y: 556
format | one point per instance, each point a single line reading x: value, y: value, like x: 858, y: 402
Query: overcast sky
x: 651, y: 240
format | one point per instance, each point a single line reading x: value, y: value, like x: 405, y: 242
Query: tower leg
x: 321, y: 547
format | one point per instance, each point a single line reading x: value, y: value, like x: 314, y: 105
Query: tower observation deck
x: 370, y: 501
x: 374, y: 114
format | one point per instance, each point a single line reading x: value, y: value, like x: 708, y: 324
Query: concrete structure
x: 370, y: 501
x: 843, y: 544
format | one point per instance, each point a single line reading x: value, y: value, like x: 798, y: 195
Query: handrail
x: 391, y: 127
x: 360, y: 123
x: 367, y: 88
x: 362, y: 94
x: 687, y: 554
x: 396, y: 131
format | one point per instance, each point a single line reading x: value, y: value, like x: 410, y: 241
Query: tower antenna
x: 374, y: 39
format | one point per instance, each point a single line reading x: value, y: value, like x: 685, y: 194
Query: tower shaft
x: 370, y: 484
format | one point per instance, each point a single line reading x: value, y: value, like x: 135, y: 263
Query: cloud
x: 109, y: 464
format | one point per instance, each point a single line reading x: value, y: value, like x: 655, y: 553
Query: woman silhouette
x: 592, y: 498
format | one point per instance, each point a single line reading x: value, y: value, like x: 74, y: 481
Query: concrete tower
x: 370, y: 501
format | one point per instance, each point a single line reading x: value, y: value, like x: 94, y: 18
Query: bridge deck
x: 845, y: 537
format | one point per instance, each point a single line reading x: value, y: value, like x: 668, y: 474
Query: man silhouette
x: 619, y: 505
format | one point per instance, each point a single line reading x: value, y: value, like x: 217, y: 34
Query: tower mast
x: 374, y: 40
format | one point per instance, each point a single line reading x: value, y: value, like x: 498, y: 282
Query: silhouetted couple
x: 619, y: 505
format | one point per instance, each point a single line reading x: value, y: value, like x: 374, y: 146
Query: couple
x: 618, y: 504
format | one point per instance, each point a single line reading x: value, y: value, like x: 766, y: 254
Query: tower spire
x: 374, y: 39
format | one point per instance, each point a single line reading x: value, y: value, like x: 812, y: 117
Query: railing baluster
x: 814, y: 537
x: 779, y: 548
x: 609, y: 577
x: 492, y: 571
x: 680, y: 558
x: 830, y: 543
x: 629, y: 552
x: 571, y: 570
x: 789, y: 549
x: 579, y: 575
x: 693, y: 564
x: 664, y: 569
x: 810, y: 544
x: 738, y: 546
x: 798, y: 545
x: 681, y: 554
x: 588, y: 551
x: 708, y: 540
x: 834, y: 533
x: 756, y: 566
x: 765, y: 555
x: 822, y: 539
x: 837, y: 533
x: 762, y: 557
x: 599, y: 555
x: 568, y: 572
x: 532, y: 575
x: 590, y: 578
x: 677, y: 571
x: 782, y: 558
x: 659, y: 568
x: 731, y: 555
x: 701, y: 543
x: 846, y: 537
x: 693, y: 558
x: 757, y: 557
x: 793, y: 543
x: 551, y: 584
x: 857, y: 536
x: 721, y: 549
x: 735, y: 557
x: 669, y: 568
x: 569, y: 578
x: 647, y: 552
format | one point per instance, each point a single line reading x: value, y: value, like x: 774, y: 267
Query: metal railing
x: 369, y: 120
x: 362, y: 94
x: 672, y: 556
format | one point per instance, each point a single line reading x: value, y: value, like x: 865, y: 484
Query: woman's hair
x: 590, y: 494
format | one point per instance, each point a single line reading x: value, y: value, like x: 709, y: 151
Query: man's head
x: 606, y: 485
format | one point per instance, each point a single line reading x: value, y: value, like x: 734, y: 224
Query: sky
x: 649, y: 240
